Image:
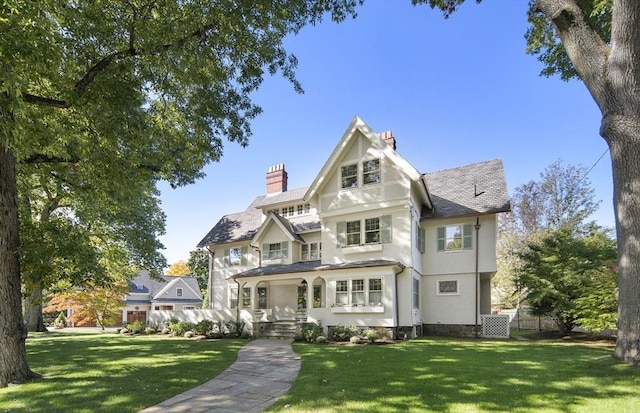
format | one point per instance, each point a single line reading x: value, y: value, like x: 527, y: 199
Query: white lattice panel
x: 495, y: 326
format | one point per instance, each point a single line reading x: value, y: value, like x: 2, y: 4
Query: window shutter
x: 442, y: 238
x: 285, y: 249
x: 467, y: 236
x: 225, y: 259
x: 341, y: 233
x: 421, y: 239
x: 385, y: 229
x: 243, y: 255
x: 265, y: 251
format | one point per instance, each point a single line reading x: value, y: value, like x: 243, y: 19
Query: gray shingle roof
x: 281, y: 197
x: 235, y: 227
x: 478, y: 188
x: 307, y: 266
x: 153, y: 286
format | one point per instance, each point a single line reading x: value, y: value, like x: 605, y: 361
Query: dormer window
x: 275, y: 250
x: 370, y: 174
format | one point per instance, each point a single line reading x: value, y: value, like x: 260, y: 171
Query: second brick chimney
x: 388, y: 137
x: 276, y: 179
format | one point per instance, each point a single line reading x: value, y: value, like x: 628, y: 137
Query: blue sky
x: 453, y: 92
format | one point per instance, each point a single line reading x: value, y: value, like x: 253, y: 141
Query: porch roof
x: 316, y: 265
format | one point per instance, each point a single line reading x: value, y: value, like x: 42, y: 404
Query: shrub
x: 321, y: 339
x: 124, y: 331
x: 166, y: 330
x: 136, y: 327
x: 150, y: 330
x: 188, y: 334
x: 372, y: 334
x: 343, y: 332
x: 355, y: 340
x: 61, y: 321
x: 170, y: 321
x: 235, y: 328
x: 181, y: 327
x: 310, y: 332
x: 203, y: 327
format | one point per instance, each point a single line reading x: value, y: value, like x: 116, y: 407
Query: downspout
x: 238, y: 300
x: 396, y: 313
x: 212, y: 255
x: 477, y: 301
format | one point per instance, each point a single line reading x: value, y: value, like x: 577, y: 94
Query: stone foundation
x: 449, y: 330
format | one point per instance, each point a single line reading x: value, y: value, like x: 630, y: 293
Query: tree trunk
x: 13, y: 354
x: 623, y: 136
x: 33, y: 310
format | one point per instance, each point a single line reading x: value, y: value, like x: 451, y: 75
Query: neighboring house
x: 171, y: 293
x: 371, y: 242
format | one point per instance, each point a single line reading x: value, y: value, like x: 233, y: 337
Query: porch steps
x: 281, y: 329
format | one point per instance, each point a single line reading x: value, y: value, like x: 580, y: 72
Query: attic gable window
x: 350, y: 176
x: 455, y: 237
x: 371, y: 172
x: 178, y: 292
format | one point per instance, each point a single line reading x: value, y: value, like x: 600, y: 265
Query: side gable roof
x: 478, y: 188
x: 235, y: 227
x: 153, y: 287
x: 285, y: 226
x: 172, y: 282
x: 358, y: 124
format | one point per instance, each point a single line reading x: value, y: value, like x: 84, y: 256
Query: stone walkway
x: 264, y: 371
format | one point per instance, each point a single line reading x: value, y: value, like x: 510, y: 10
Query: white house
x: 371, y: 242
x: 147, y: 294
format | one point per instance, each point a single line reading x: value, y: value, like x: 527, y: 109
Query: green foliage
x: 181, y: 327
x: 372, y: 334
x: 355, y: 340
x: 198, y: 264
x: 543, y: 41
x: 343, y: 332
x: 235, y: 328
x: 321, y: 339
x: 137, y: 327
x: 203, y: 328
x: 310, y: 332
x: 561, y: 269
x: 61, y: 320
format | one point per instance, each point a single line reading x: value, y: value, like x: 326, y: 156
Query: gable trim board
x: 398, y: 250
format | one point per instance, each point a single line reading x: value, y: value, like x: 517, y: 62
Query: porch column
x: 309, y: 293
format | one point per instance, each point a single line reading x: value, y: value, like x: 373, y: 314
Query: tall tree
x: 598, y: 41
x: 198, y: 264
x: 561, y: 198
x: 561, y: 269
x: 125, y: 88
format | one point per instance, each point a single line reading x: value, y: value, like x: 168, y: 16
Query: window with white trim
x: 359, y: 292
x: 246, y: 297
x: 312, y: 251
x: 349, y: 175
x: 373, y: 230
x: 420, y: 238
x: 371, y: 172
x: 178, y: 292
x: 416, y: 293
x: 375, y: 291
x: 235, y: 256
x: 275, y: 250
x: 448, y: 287
x: 233, y: 297
x: 188, y: 307
x: 455, y: 237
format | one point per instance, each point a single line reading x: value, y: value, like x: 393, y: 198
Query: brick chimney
x: 276, y: 179
x: 388, y: 137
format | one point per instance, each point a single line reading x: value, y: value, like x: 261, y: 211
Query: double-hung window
x: 372, y: 230
x: 371, y: 172
x: 235, y: 256
x: 359, y: 292
x: 246, y: 297
x: 349, y: 176
x: 455, y: 237
x: 233, y: 297
x: 178, y: 292
x: 311, y: 251
x: 275, y: 250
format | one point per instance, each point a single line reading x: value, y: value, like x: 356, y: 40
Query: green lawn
x: 458, y: 375
x: 111, y: 373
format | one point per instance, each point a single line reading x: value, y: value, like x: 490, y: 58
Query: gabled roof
x: 282, y: 223
x: 153, y: 286
x: 173, y: 283
x: 478, y: 188
x: 316, y: 265
x: 279, y: 198
x: 356, y: 125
